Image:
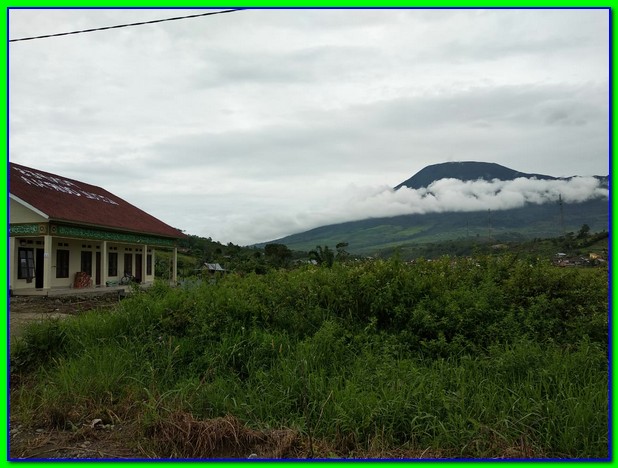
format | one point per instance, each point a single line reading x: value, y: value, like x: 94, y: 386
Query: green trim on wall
x: 86, y: 233
x: 27, y: 229
x: 33, y: 229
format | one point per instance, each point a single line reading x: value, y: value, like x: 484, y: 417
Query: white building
x: 62, y: 229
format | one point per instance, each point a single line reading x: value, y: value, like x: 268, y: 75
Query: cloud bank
x: 445, y: 195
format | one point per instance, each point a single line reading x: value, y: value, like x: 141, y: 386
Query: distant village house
x: 68, y: 234
x: 213, y: 268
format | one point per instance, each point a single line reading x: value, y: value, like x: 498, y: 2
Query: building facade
x: 68, y: 234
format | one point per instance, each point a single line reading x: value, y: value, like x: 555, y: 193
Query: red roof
x: 72, y: 201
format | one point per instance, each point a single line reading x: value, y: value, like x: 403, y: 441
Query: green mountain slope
x: 370, y: 236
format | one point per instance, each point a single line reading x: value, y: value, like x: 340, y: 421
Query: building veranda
x: 65, y: 234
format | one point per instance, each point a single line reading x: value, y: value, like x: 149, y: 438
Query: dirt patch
x: 100, y: 442
x: 27, y: 309
x: 182, y: 437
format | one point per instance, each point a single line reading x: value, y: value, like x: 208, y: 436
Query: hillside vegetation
x: 479, y: 357
x: 372, y: 236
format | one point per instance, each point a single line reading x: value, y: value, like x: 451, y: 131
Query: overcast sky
x: 256, y: 124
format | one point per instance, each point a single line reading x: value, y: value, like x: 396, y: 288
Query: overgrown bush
x: 468, y: 357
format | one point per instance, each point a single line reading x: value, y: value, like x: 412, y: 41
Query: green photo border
x: 274, y: 4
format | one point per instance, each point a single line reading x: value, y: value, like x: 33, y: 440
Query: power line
x: 124, y: 25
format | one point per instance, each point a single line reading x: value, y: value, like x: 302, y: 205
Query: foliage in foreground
x: 469, y: 357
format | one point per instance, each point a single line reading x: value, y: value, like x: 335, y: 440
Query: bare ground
x: 44, y: 443
x: 26, y: 309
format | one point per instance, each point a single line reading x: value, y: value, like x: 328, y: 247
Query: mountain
x: 371, y: 236
x: 465, y: 170
x: 374, y: 235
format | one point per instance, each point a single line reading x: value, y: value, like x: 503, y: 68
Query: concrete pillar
x: 144, y: 262
x: 12, y: 258
x: 47, y: 262
x: 175, y: 266
x: 104, y: 263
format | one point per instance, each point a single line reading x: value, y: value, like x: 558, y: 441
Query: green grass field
x: 481, y: 357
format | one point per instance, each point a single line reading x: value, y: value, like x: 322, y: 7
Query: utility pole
x: 489, y: 219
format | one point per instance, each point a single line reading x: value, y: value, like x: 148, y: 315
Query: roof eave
x: 25, y: 204
x: 180, y: 235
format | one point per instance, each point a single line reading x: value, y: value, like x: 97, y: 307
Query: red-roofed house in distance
x: 62, y: 230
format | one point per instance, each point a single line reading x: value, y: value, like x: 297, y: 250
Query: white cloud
x: 445, y: 195
x: 269, y: 115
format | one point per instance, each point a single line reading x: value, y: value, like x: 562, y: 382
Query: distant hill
x: 371, y: 236
x: 465, y: 170
x: 374, y: 235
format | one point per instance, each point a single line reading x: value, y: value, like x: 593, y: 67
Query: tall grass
x: 474, y: 358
